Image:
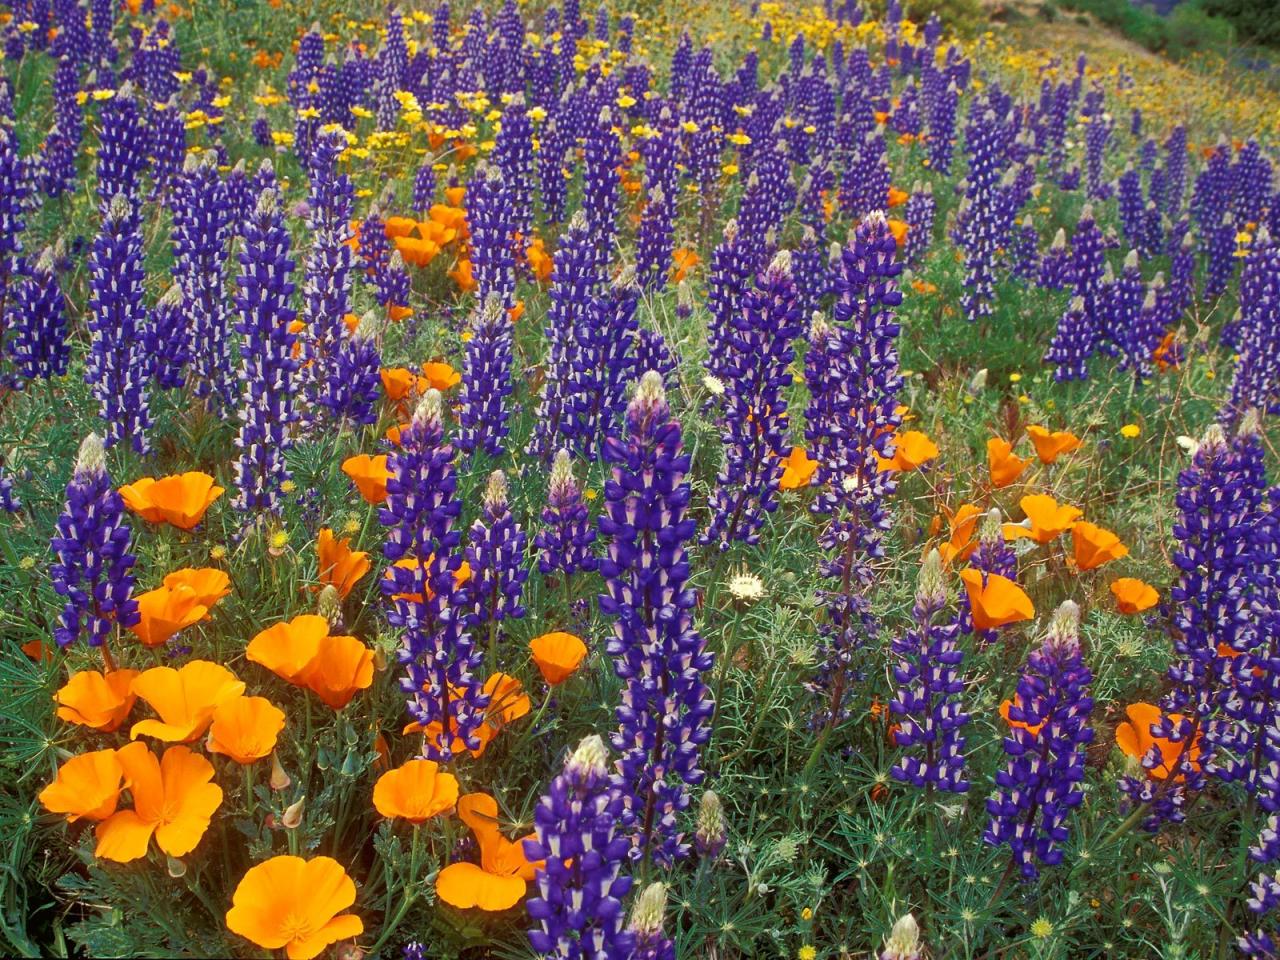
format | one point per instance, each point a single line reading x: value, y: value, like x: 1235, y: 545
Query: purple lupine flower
x: 552, y: 156
x: 486, y: 384
x: 492, y: 229
x: 326, y: 285
x: 267, y: 365
x: 859, y: 389
x: 513, y: 155
x: 1055, y: 264
x: 1048, y: 732
x: 117, y: 367
x: 1096, y: 136
x: 167, y: 140
x: 1123, y: 309
x: 711, y: 834
x: 1088, y: 264
x: 13, y: 193
x: 1175, y: 167
x: 240, y: 196
x: 495, y: 553
x: 564, y: 542
x: 375, y: 250
x: 979, y: 228
x: 350, y: 391
x: 167, y: 341
x: 1256, y: 382
x: 424, y: 187
x: 201, y: 229
x: 651, y: 943
x: 942, y: 128
x: 753, y: 412
x: 929, y: 684
x: 93, y: 559
x: 661, y: 658
x: 919, y: 214
x: 37, y: 318
x: 729, y: 280
x: 576, y: 277
x: 122, y: 147
x: 602, y: 155
x: 578, y: 910
x: 1129, y: 201
x: 1026, y: 250
x: 9, y: 502
x: 427, y: 602
x: 654, y: 243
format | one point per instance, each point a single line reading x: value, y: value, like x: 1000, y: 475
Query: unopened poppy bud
x: 903, y: 942
x: 979, y: 382
x: 711, y: 835
x: 329, y: 604
x: 279, y: 779
x: 380, y: 660
x: 292, y: 818
x: 176, y: 867
x: 349, y: 951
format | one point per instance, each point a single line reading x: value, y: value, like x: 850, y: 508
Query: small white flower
x: 746, y: 586
x: 714, y: 385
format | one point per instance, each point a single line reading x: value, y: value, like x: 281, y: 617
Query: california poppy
x: 101, y: 702
x: 962, y: 542
x: 557, y: 655
x: 899, y: 229
x: 460, y: 576
x: 208, y: 584
x: 295, y: 904
x: 1092, y: 546
x: 440, y: 376
x: 341, y: 666
x: 395, y: 226
x: 173, y: 800
x: 797, y: 470
x: 501, y: 878
x: 245, y: 729
x: 185, y: 699
x: 1046, y: 519
x: 1050, y: 446
x: 911, y: 450
x: 995, y: 601
x: 539, y: 260
x: 180, y: 500
x: 340, y: 566
x: 398, y: 383
x: 1006, y: 467
x: 287, y: 648
x: 1132, y: 595
x: 462, y: 276
x: 1136, y: 740
x: 416, y: 791
x: 897, y: 197
x: 369, y: 474
x: 162, y: 612
x: 682, y: 261
x: 87, y: 787
x: 507, y: 700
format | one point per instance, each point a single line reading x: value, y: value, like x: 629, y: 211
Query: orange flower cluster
x: 302, y: 652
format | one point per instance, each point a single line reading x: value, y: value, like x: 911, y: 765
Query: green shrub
x: 1256, y: 20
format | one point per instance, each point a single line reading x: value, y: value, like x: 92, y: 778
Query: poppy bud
x: 292, y: 818
x: 176, y: 867
x: 329, y: 604
x: 279, y: 779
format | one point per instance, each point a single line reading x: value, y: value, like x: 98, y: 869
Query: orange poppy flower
x: 1031, y: 728
x: 500, y: 879
x: 245, y: 729
x: 209, y: 584
x: 180, y: 500
x: 539, y: 260
x: 35, y: 650
x: 910, y: 451
x: 1005, y: 466
x: 897, y: 197
x: 899, y: 229
x: 1046, y: 520
x: 1135, y: 740
x: 797, y: 470
x: 1166, y: 354
x: 682, y: 261
x: 341, y: 667
x: 173, y: 800
x: 1050, y: 446
x: 461, y: 275
x: 162, y: 612
x: 369, y: 474
x: 440, y: 376
x: 557, y: 655
x: 185, y: 699
x: 287, y: 648
x: 416, y: 791
x: 964, y: 524
x: 340, y: 566
x: 460, y: 576
x: 87, y: 786
x: 1132, y: 595
x: 416, y: 251
x: 398, y: 382
x: 1092, y: 546
x: 393, y: 433
x: 99, y: 702
x: 433, y: 733
x: 995, y: 601
x: 396, y: 226
x: 396, y: 313
x: 295, y: 904
x: 507, y: 700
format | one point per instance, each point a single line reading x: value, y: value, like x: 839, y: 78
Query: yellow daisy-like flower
x: 1130, y: 430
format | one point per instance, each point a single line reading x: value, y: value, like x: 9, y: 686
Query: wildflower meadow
x: 671, y: 480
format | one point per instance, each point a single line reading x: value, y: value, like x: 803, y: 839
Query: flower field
x: 658, y: 481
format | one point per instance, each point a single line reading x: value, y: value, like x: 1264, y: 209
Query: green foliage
x: 1190, y: 28
x: 1256, y: 20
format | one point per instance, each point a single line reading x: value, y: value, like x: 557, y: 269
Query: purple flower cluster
x: 93, y: 559
x: 564, y: 542
x: 495, y: 553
